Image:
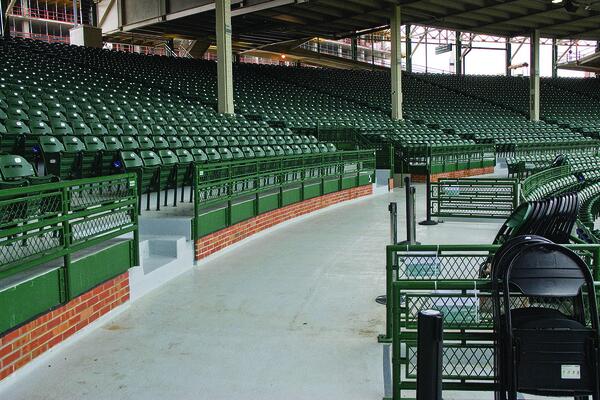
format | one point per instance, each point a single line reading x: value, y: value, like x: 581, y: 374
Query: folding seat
x: 199, y: 155
x: 185, y: 171
x: 160, y: 143
x: 17, y: 172
x: 147, y: 167
x: 168, y: 174
x: 173, y: 142
x: 237, y: 153
x: 269, y: 151
x: 13, y: 140
x: 212, y: 154
x: 199, y: 142
x: 93, y: 161
x: 60, y: 128
x: 186, y: 142
x: 170, y: 130
x: 130, y: 143
x: 322, y: 148
x: 211, y: 141
x: 129, y: 130
x: 16, y: 114
x: 225, y: 153
x: 222, y: 141
x: 296, y: 149
x: 145, y: 143
x: 278, y: 150
x: 58, y: 161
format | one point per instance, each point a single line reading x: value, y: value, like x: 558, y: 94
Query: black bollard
x: 429, y: 355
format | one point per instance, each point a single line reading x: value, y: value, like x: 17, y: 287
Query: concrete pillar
x: 508, y: 57
x: 354, y: 48
x: 554, y: 59
x: 458, y: 62
x: 408, y: 48
x: 224, y: 56
x: 4, y: 27
x: 396, y: 63
x: 534, y: 77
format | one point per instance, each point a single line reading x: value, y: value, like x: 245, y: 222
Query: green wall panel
x: 331, y: 186
x: 364, y: 180
x: 23, y: 302
x: 291, y: 196
x: 211, y: 221
x: 312, y: 190
x: 349, y: 182
x: 91, y: 270
x: 268, y: 203
x: 242, y: 211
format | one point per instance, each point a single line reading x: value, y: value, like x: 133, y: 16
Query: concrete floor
x: 288, y: 315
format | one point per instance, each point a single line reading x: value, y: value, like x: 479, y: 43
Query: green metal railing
x: 453, y: 279
x: 228, y: 193
x: 421, y: 158
x: 474, y: 197
x: 541, y: 178
x: 59, y: 240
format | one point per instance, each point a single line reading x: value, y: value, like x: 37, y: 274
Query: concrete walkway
x: 289, y: 315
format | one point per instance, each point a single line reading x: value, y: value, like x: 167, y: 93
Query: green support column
x: 224, y: 56
x: 408, y: 48
x: 534, y: 77
x: 554, y: 59
x: 396, y: 63
x: 354, y: 48
x: 458, y: 63
x: 508, y: 57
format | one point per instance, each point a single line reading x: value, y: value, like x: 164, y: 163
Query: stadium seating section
x: 85, y: 112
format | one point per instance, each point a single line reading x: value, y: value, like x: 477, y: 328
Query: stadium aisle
x: 289, y: 315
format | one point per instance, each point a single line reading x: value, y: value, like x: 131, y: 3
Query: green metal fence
x: 228, y: 193
x: 474, y: 197
x: 437, y: 159
x: 45, y: 228
x: 535, y: 181
x: 453, y: 279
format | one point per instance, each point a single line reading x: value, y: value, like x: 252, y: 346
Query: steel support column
x: 508, y: 57
x: 554, y: 59
x: 396, y: 63
x: 408, y: 48
x: 224, y: 56
x: 534, y: 77
x: 354, y: 48
x: 458, y: 62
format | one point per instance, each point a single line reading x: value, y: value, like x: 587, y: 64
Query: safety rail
x: 532, y: 183
x: 452, y: 279
x: 228, y: 193
x: 474, y: 197
x: 60, y: 240
x: 44, y: 222
x: 437, y: 159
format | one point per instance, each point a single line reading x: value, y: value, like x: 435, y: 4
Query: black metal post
x: 411, y: 237
x: 430, y: 346
x: 393, y: 209
x: 428, y: 220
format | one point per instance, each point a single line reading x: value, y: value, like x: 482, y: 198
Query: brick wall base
x: 219, y: 240
x: 454, y: 174
x: 18, y: 347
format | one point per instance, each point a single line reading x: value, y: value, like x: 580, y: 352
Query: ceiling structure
x: 262, y: 22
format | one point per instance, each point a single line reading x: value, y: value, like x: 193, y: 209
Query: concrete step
x: 162, y: 258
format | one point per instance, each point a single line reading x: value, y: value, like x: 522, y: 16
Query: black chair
x: 545, y: 320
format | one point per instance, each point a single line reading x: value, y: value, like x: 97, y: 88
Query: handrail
x: 44, y: 222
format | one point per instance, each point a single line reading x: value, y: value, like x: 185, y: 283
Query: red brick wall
x: 216, y: 241
x: 454, y: 174
x: 20, y: 346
